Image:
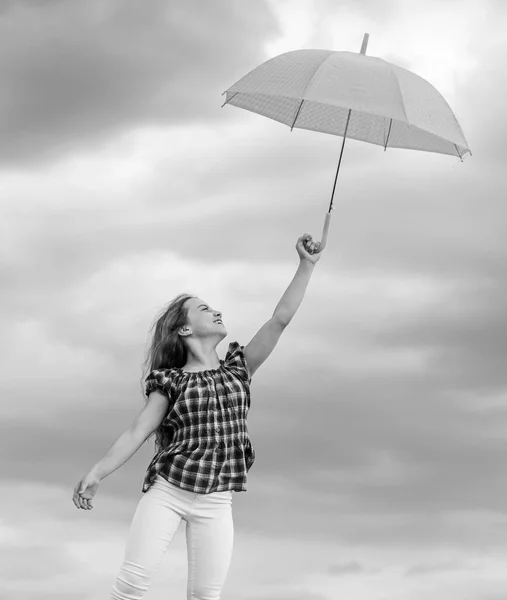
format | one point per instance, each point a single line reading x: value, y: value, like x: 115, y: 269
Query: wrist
x: 305, y: 261
x: 96, y: 472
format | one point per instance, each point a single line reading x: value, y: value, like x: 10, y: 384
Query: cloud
x: 438, y: 567
x: 95, y: 69
x: 346, y: 568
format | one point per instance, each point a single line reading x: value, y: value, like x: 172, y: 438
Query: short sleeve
x: 235, y: 359
x: 157, y: 380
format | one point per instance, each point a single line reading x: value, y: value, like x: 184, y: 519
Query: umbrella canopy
x: 315, y: 89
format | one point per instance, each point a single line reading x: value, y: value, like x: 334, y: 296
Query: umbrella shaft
x: 340, y: 161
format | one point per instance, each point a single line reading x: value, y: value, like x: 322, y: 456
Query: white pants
x: 209, y: 533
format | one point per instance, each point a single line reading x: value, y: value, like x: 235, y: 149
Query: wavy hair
x: 166, y: 349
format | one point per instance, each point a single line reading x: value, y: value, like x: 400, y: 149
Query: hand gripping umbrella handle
x: 327, y: 220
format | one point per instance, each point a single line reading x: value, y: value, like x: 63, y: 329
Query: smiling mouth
x: 219, y: 321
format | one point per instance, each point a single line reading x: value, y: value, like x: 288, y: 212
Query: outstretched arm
x: 293, y: 295
x: 268, y: 335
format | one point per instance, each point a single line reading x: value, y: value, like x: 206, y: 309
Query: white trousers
x: 209, y: 534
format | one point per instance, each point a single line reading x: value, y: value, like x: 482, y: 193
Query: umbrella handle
x: 324, y: 231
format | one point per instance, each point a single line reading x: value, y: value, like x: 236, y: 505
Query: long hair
x: 166, y: 349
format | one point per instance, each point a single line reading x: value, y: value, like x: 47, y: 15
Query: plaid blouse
x: 210, y: 450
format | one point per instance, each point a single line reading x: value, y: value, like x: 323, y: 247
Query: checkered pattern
x: 210, y: 449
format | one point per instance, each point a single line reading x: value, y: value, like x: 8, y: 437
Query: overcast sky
x: 380, y: 419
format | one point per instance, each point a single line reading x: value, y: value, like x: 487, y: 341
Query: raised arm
x: 267, y: 337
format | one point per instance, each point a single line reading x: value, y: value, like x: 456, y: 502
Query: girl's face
x: 203, y: 318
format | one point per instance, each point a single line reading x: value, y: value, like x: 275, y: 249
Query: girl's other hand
x: 85, y: 490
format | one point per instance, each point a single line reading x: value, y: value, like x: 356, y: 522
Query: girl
x: 197, y: 406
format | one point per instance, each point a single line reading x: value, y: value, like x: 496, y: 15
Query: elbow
x: 281, y: 320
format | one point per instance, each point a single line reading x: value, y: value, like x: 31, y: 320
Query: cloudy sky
x: 380, y: 419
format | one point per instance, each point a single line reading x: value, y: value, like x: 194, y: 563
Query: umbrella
x: 351, y: 95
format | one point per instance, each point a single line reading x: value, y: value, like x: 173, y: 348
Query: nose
x: 218, y: 315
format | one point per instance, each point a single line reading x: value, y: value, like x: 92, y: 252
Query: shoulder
x: 235, y: 359
x: 234, y: 351
x: 157, y: 379
x: 159, y: 374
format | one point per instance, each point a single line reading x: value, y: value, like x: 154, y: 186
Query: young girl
x: 197, y: 406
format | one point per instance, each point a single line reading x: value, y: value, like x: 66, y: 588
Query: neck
x: 202, y: 355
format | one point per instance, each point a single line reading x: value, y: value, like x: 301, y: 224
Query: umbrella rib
x: 458, y: 153
x: 229, y: 99
x: 297, y: 114
x: 388, y: 133
x: 330, y: 53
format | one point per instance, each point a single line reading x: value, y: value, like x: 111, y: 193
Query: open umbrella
x: 351, y: 95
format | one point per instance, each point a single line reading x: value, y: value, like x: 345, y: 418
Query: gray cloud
x: 34, y: 561
x: 484, y: 107
x: 424, y: 569
x: 351, y: 567
x: 467, y: 336
x: 94, y: 69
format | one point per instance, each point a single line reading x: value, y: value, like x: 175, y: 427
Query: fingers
x: 308, y: 244
x: 85, y: 502
x: 79, y: 501
x: 75, y: 497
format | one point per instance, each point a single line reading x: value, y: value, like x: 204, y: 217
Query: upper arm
x: 152, y: 414
x: 262, y: 344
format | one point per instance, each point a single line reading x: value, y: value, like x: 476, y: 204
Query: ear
x: 184, y: 331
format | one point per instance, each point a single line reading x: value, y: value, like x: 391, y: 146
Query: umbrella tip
x: 365, y: 43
